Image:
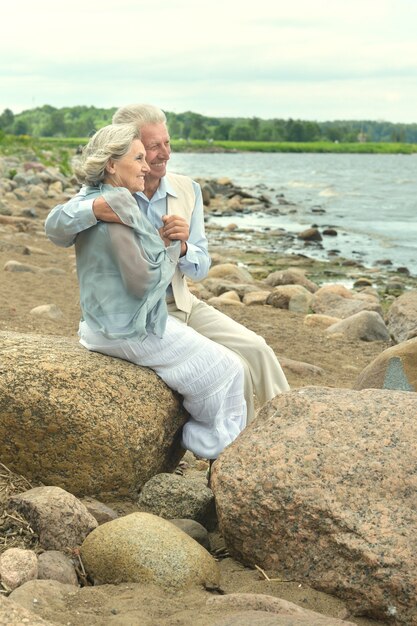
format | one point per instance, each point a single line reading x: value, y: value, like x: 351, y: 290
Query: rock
x: 319, y: 488
x: 33, y: 165
x: 223, y: 181
x: 46, y: 596
x: 59, y: 519
x: 56, y: 187
x: 331, y: 303
x: 230, y: 272
x: 290, y: 277
x: 316, y: 320
x: 402, y: 316
x: 219, y: 302
x: 337, y: 289
x: 14, y: 220
x: 218, y: 287
x: 33, y: 250
x: 310, y: 234
x: 394, y: 368
x: 363, y: 281
x: 255, y: 297
x: 260, y: 604
x: 17, y: 566
x: 403, y: 270
x: 4, y: 210
x: 171, y: 496
x: 367, y: 295
x: 365, y: 325
x: 200, y: 291
x: 29, y: 213
x: 16, y: 266
x: 295, y: 298
x: 12, y: 614
x: 52, y: 311
x: 229, y: 297
x: 101, y: 512
x: 394, y: 286
x: 141, y: 547
x: 54, y: 565
x: 207, y: 193
x: 86, y: 422
x: 193, y: 529
x: 299, y: 367
x: 235, y: 203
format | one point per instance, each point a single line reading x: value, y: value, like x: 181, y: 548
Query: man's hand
x: 104, y: 212
x: 176, y: 227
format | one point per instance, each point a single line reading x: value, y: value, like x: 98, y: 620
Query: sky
x: 303, y: 59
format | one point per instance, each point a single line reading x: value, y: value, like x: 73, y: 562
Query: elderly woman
x: 123, y: 272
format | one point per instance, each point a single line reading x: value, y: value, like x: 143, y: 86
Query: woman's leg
x: 208, y: 376
x: 263, y: 373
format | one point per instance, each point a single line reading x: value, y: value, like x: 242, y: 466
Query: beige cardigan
x: 183, y: 205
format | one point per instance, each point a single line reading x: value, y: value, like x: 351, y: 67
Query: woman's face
x: 130, y: 170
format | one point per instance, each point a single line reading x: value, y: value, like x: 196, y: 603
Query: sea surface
x: 371, y: 200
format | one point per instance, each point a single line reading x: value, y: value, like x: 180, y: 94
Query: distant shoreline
x: 15, y: 143
x: 318, y: 147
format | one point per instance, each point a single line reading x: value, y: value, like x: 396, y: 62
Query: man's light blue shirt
x: 65, y: 221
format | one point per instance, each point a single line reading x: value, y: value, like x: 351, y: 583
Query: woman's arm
x: 65, y: 221
x: 142, y: 270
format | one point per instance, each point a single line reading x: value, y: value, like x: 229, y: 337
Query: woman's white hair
x: 139, y: 114
x: 110, y: 142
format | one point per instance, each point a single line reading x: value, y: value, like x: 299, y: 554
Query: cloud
x: 267, y: 58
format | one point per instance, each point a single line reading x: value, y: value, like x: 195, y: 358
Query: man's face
x: 155, y: 138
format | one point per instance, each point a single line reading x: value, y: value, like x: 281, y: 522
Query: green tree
x: 6, y: 120
x: 222, y: 131
x: 241, y: 131
x: 20, y: 127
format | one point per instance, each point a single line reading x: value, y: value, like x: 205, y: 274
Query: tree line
x: 83, y: 121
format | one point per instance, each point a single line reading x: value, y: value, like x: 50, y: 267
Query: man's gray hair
x: 140, y: 115
x: 110, y: 142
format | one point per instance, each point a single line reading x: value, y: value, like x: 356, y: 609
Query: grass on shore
x: 11, y: 144
x: 287, y: 146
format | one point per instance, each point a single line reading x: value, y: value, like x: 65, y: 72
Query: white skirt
x: 208, y: 376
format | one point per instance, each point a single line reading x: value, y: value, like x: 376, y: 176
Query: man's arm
x: 65, y: 221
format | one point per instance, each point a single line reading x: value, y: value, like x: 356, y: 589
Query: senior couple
x: 139, y: 233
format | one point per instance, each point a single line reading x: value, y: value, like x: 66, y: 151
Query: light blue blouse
x: 123, y: 271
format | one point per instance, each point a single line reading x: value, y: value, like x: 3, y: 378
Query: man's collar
x: 165, y: 188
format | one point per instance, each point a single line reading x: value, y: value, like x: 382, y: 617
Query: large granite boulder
x: 88, y: 423
x: 321, y: 488
x: 402, y: 316
x: 394, y: 368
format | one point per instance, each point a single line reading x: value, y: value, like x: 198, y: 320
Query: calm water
x: 371, y: 200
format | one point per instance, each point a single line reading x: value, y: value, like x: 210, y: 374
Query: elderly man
x: 173, y: 203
